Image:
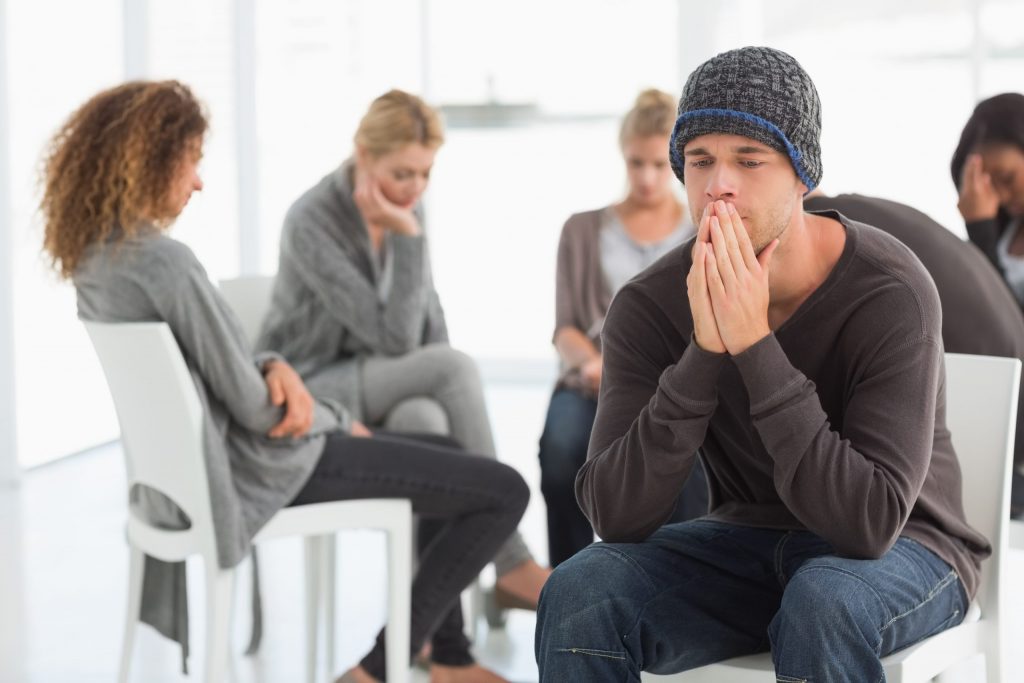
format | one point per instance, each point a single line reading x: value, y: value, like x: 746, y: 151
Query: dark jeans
x: 563, y: 450
x: 468, y: 506
x: 701, y: 592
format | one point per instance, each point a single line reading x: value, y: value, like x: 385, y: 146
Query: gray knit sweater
x: 327, y: 311
x: 155, y: 278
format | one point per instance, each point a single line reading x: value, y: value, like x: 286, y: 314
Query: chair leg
x: 472, y: 609
x: 399, y: 601
x: 328, y: 578
x: 136, y: 566
x: 220, y: 589
x: 314, y: 551
x: 994, y: 664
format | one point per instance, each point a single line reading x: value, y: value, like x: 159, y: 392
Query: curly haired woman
x: 118, y: 173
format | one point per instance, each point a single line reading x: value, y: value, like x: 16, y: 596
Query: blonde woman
x: 354, y: 304
x: 118, y: 173
x: 598, y: 252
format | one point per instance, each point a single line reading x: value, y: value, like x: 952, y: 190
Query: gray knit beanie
x: 757, y: 92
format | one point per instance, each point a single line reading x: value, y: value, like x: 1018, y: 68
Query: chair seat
x: 947, y: 646
x: 319, y: 519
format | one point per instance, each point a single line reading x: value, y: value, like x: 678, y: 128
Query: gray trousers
x: 436, y: 390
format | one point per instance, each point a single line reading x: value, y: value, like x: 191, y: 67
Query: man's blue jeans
x: 700, y: 592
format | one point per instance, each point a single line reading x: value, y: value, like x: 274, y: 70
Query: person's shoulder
x: 163, y: 260
x: 584, y: 222
x: 891, y: 275
x: 883, y: 250
x: 322, y: 194
x: 908, y: 224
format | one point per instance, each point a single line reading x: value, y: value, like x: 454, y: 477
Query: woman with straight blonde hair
x: 598, y: 252
x: 355, y: 308
x: 117, y: 175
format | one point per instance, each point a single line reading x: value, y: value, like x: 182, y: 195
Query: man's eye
x: 751, y: 164
x: 700, y: 163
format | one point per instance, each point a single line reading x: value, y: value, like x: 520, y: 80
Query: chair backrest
x: 159, y: 411
x: 981, y: 413
x: 249, y: 297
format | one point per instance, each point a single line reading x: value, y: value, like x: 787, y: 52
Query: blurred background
x: 532, y: 92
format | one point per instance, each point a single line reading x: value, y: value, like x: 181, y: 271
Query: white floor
x: 63, y: 567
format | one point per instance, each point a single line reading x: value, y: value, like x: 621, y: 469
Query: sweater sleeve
x: 212, y: 339
x: 856, y: 488
x: 650, y: 421
x: 565, y: 316
x: 435, y: 328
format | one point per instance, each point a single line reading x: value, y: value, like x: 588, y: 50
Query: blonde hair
x: 111, y: 164
x: 653, y: 113
x: 396, y: 119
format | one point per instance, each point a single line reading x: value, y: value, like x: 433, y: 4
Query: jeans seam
x: 636, y: 565
x: 841, y: 570
x: 640, y: 613
x: 946, y: 581
x: 595, y: 653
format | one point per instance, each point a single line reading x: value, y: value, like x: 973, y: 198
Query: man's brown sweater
x: 835, y: 423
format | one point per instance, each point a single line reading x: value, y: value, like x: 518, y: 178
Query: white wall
x: 8, y: 452
x: 287, y: 82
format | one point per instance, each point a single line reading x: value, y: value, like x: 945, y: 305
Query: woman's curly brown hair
x: 110, y: 166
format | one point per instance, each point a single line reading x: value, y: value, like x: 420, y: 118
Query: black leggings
x: 468, y: 507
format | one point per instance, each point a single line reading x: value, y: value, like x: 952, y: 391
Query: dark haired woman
x: 988, y: 170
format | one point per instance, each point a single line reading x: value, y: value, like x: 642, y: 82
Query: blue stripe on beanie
x: 795, y: 156
x: 758, y: 92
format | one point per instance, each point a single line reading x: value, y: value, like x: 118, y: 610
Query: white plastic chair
x: 981, y: 413
x: 162, y: 437
x: 1017, y: 534
x: 249, y: 297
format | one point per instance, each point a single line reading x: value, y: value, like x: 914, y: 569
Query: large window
x: 193, y: 41
x: 319, y: 64
x: 532, y: 92
x: 59, y: 53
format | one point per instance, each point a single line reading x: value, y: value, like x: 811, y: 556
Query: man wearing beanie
x: 800, y: 357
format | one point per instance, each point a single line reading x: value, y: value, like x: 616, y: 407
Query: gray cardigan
x: 327, y: 311
x: 155, y: 278
x: 582, y: 295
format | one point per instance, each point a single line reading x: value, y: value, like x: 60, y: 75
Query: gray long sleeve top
x: 327, y: 311
x: 251, y: 476
x: 835, y: 423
